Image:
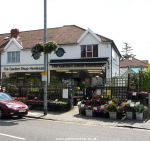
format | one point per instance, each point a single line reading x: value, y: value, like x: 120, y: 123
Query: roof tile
x: 62, y: 35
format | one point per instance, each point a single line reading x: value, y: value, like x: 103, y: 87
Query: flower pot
x: 113, y: 115
x: 82, y: 111
x: 129, y: 115
x: 89, y: 113
x: 139, y: 116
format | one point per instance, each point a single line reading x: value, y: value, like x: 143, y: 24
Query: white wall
x: 26, y: 60
x: 72, y: 51
x: 115, y: 63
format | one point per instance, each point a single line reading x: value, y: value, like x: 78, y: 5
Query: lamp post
x: 45, y: 58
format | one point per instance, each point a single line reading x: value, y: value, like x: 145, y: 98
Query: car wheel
x: 1, y: 113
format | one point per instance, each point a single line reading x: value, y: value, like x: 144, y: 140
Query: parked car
x: 10, y: 107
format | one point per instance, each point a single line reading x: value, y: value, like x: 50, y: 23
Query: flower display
x: 50, y: 46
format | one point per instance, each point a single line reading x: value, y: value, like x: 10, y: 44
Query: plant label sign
x: 65, y: 93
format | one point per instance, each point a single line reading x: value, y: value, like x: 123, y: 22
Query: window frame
x: 13, y: 57
x: 86, y: 50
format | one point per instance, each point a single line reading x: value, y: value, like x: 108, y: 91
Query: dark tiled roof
x: 62, y: 35
x: 3, y: 43
x: 133, y: 63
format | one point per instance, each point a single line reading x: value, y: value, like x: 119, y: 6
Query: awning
x: 101, y: 61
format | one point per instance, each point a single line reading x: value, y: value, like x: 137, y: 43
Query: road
x: 28, y: 129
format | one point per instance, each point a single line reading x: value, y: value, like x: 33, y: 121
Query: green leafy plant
x: 38, y: 47
x: 46, y: 48
x: 50, y: 46
x: 111, y: 107
x: 140, y: 108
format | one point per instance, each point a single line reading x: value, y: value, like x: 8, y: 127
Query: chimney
x: 14, y: 33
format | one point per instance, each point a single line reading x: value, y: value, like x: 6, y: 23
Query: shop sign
x: 44, y: 76
x: 24, y: 68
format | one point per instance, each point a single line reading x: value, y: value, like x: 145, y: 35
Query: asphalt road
x: 28, y: 129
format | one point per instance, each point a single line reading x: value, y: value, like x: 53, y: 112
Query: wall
x: 72, y: 51
x: 115, y: 64
x: 104, y: 50
x: 27, y: 63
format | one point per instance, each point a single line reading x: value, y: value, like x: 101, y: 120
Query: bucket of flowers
x: 140, y: 109
x: 111, y: 108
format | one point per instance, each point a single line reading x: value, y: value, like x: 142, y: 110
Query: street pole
x: 45, y: 58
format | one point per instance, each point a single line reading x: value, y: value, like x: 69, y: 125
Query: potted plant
x: 140, y: 109
x: 120, y: 111
x: 81, y: 108
x: 111, y: 107
x: 89, y: 111
x: 129, y: 109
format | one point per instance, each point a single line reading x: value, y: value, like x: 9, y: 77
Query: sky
x: 120, y: 20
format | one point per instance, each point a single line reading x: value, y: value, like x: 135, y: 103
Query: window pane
x: 13, y: 57
x: 89, y: 48
x: 95, y: 50
x: 83, y: 51
x: 17, y: 56
x: 89, y: 54
x: 8, y: 57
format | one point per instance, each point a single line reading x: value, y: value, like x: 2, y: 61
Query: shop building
x: 82, y: 55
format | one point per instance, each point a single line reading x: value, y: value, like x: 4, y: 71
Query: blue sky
x: 121, y: 20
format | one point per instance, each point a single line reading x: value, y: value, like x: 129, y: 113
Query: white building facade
x: 79, y: 50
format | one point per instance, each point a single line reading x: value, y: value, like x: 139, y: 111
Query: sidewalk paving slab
x: 74, y: 117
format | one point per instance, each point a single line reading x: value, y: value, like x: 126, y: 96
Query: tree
x: 146, y: 81
x: 127, y: 52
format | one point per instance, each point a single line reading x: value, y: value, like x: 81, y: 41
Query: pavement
x: 73, y: 116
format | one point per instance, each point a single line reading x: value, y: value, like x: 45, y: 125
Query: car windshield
x: 4, y: 96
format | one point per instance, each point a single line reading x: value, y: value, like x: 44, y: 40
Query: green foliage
x: 50, y: 46
x: 111, y: 107
x: 146, y: 81
x: 140, y: 108
x: 38, y: 47
x: 46, y: 48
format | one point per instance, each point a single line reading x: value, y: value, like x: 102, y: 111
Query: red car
x: 10, y: 107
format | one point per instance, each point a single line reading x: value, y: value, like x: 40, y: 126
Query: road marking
x: 11, y: 136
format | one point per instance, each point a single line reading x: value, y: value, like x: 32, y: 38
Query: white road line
x: 19, y: 138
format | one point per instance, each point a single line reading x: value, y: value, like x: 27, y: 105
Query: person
x: 95, y: 95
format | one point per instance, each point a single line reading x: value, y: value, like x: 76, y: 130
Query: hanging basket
x: 50, y: 46
x: 37, y: 48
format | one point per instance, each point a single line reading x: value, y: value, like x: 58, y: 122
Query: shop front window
x: 13, y: 57
x: 88, y: 51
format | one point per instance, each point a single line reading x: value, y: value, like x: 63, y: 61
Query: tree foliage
x: 146, y: 80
